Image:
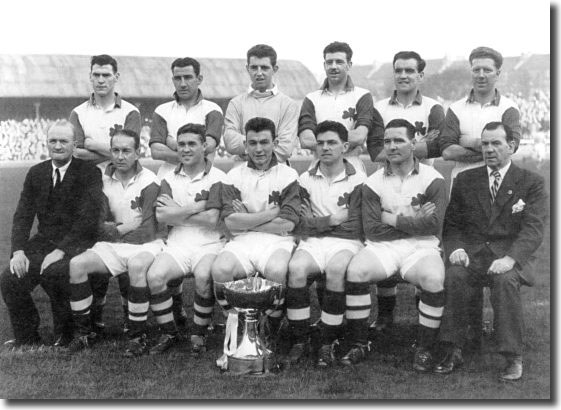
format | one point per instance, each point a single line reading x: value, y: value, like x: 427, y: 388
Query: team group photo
x: 253, y: 227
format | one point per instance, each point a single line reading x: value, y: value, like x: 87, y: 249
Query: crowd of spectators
x: 26, y: 139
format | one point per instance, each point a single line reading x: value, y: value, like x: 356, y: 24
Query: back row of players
x: 223, y: 227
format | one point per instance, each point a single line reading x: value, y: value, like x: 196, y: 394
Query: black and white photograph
x: 228, y: 200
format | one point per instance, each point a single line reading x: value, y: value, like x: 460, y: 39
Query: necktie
x: 57, y: 182
x: 495, y: 186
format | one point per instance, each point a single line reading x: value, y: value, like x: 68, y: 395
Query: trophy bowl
x: 252, y: 293
x: 251, y: 297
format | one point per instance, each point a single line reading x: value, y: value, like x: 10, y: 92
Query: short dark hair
x: 338, y: 46
x: 487, y: 52
x: 262, y: 51
x: 186, y: 62
x: 401, y: 122
x: 103, y: 59
x: 191, y: 128
x: 334, y: 126
x: 258, y: 124
x: 406, y: 55
x: 128, y: 133
x: 495, y: 125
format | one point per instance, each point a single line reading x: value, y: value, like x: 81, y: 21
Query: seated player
x: 260, y: 209
x: 131, y: 191
x: 330, y: 233
x: 193, y: 240
x: 403, y: 207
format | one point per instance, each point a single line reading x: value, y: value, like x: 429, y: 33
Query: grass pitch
x: 103, y: 373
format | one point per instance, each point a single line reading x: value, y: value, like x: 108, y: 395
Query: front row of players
x: 352, y: 230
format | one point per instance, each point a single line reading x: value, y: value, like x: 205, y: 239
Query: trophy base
x: 253, y: 366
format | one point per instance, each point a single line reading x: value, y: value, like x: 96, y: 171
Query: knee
x: 297, y: 275
x: 156, y: 280
x: 506, y: 281
x: 432, y: 281
x: 277, y: 272
x: 78, y: 268
x: 357, y: 273
x: 7, y: 280
x: 139, y: 264
x: 335, y: 276
x: 220, y: 271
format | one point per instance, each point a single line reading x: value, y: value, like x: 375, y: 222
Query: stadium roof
x: 63, y: 76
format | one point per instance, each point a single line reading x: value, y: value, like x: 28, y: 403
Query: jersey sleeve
x: 79, y: 135
x: 375, y: 138
x: 365, y: 111
x: 307, y: 119
x: 158, y: 130
x: 132, y: 121
x: 147, y: 229
x: 436, y: 122
x: 451, y: 132
x: 290, y: 202
x: 214, y: 123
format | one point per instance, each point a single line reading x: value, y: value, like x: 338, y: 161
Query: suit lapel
x: 46, y: 183
x: 506, y: 191
x: 484, y: 195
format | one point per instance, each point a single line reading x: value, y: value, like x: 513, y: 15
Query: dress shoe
x: 513, y: 369
x: 451, y: 361
x: 422, y: 361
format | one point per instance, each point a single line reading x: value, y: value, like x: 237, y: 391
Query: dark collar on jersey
x: 208, y: 166
x: 349, y: 169
x: 111, y: 168
x: 388, y: 167
x: 349, y: 85
x: 495, y: 101
x: 198, y: 100
x: 274, y: 162
x: 117, y: 100
x: 418, y: 100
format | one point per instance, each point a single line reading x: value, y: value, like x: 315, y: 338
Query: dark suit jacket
x: 472, y: 223
x: 70, y: 223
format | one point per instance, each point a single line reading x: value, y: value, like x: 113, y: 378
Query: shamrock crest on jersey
x: 275, y: 198
x: 115, y: 129
x: 344, y: 200
x: 202, y: 196
x: 135, y: 203
x: 350, y: 113
x: 419, y: 128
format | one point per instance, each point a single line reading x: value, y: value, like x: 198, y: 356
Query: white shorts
x: 322, y: 250
x: 253, y: 249
x: 116, y: 256
x: 402, y: 254
x: 189, y: 256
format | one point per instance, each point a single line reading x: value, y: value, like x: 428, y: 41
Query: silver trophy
x: 251, y: 298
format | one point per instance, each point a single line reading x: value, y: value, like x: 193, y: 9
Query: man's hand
x: 427, y: 209
x: 239, y: 207
x: 431, y: 135
x: 502, y: 265
x: 306, y: 209
x: 339, y: 217
x: 165, y: 200
x: 51, y: 258
x: 19, y: 264
x: 459, y: 257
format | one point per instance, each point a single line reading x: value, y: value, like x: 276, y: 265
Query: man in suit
x: 493, y: 226
x: 64, y: 194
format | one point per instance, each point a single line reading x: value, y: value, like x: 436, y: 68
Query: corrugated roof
x: 141, y: 77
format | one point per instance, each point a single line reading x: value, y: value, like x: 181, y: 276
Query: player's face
x: 103, y: 79
x: 61, y: 144
x: 261, y: 73
x: 330, y: 148
x: 259, y: 147
x: 397, y: 146
x: 484, y: 75
x: 336, y: 67
x: 191, y: 149
x: 123, y: 153
x: 496, y: 149
x: 406, y: 76
x: 186, y: 82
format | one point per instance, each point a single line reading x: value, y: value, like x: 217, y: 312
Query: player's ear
x: 345, y: 146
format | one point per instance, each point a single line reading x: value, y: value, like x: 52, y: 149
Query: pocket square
x: 518, y: 207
